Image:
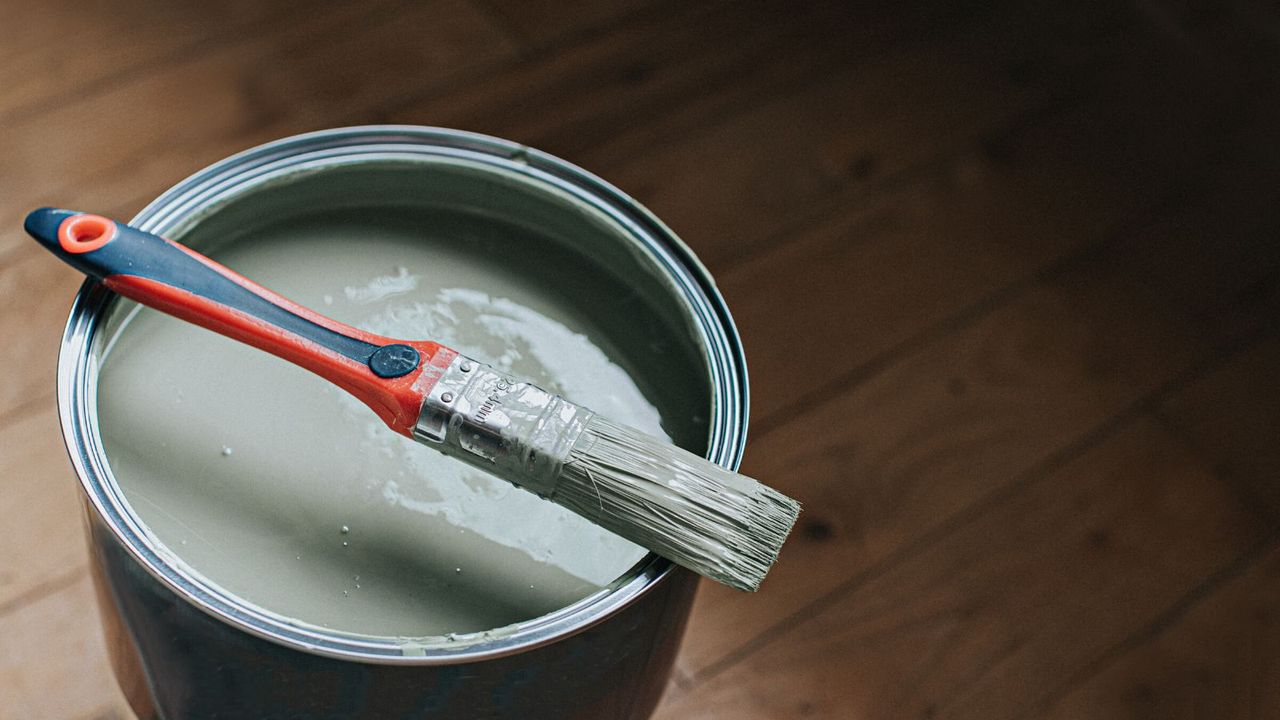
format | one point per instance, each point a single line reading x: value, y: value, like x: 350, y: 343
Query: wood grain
x: 34, y: 317
x: 209, y: 138
x: 53, y: 665
x: 324, y: 69
x: 538, y: 23
x: 38, y: 296
x: 1230, y: 418
x: 1005, y: 272
x: 42, y: 515
x: 651, y: 80
x: 223, y: 103
x: 770, y: 109
x: 979, y: 625
x: 204, y: 138
x: 64, y: 49
x: 879, y: 464
x: 791, y: 152
x: 1218, y: 658
x: 930, y: 244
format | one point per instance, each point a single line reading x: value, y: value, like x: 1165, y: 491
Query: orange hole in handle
x: 85, y: 233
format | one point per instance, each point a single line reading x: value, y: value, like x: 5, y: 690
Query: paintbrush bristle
x: 717, y: 523
x: 691, y: 511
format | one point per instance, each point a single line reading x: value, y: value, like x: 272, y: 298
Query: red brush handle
x: 391, y: 376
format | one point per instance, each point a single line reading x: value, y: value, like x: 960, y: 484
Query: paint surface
x: 290, y: 494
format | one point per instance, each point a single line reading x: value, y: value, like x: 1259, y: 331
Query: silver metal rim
x: 77, y: 380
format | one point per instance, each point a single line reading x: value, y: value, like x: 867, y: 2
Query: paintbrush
x: 720, y: 524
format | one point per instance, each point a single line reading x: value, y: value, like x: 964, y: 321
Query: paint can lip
x: 77, y: 375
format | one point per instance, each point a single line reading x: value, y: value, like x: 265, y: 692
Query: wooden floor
x: 1006, y: 273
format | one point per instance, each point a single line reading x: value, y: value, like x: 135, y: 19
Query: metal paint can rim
x: 77, y: 380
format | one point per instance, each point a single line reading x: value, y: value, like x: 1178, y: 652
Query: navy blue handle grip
x: 114, y: 252
x: 108, y: 258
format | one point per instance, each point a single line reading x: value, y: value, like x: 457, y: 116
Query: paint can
x: 182, y: 647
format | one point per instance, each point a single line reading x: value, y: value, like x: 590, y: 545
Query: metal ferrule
x: 515, y: 430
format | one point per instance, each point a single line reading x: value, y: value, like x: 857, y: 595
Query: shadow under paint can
x: 184, y: 647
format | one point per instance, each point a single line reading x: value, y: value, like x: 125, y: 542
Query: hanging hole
x: 85, y: 233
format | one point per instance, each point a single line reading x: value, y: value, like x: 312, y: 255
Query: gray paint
x: 246, y: 469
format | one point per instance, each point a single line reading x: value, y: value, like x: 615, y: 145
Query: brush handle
x: 391, y: 376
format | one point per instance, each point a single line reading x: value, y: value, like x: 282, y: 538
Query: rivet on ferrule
x: 515, y: 430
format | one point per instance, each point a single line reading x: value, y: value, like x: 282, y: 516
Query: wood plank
x: 115, y: 192
x: 1232, y: 417
x: 37, y: 291
x: 1039, y: 69
x: 985, y: 622
x: 153, y: 168
x: 215, y: 105
x: 1123, y: 155
x: 729, y: 152
x: 1219, y: 659
x: 875, y: 120
x: 847, y: 257
x: 53, y: 664
x: 47, y: 62
x: 881, y: 463
x: 1205, y: 269
x: 835, y: 40
x: 857, y: 284
x: 731, y: 186
x: 324, y: 69
x: 974, y: 270
x: 665, y: 74
x: 539, y: 23
x: 40, y: 506
x: 892, y: 264
x: 32, y: 313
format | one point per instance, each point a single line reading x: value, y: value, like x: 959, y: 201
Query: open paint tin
x: 185, y: 645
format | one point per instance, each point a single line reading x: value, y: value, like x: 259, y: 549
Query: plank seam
x: 192, y: 52
x: 967, y: 316
x: 16, y: 413
x: 1166, y: 620
x: 55, y: 584
x: 1054, y: 461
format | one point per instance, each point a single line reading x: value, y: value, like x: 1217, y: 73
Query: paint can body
x: 184, y: 648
